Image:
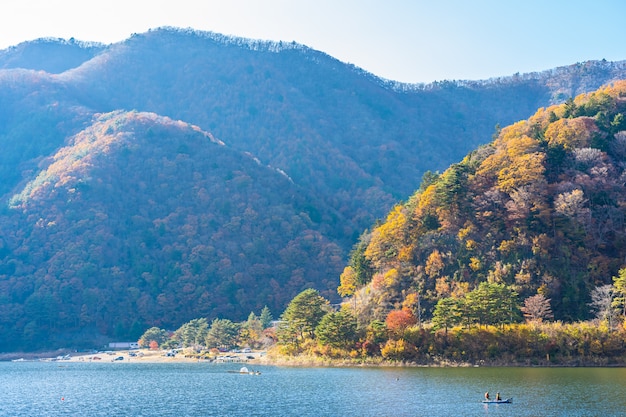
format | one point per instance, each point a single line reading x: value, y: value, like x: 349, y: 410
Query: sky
x: 414, y: 41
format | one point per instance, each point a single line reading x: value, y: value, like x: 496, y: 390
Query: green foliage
x: 223, y: 333
x: 359, y: 263
x: 491, y: 304
x: 619, y: 291
x: 337, y: 329
x: 302, y: 316
x: 153, y: 334
x: 266, y: 317
x: 447, y: 313
x: 193, y: 333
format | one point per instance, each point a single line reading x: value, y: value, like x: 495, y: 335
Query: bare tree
x: 537, y: 308
x: 602, y: 304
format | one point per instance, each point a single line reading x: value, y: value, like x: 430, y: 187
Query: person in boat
x: 498, y: 397
x: 487, y: 396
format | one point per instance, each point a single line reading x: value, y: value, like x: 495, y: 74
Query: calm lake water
x: 42, y: 389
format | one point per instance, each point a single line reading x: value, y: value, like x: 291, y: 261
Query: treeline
x: 200, y: 336
x: 488, y: 326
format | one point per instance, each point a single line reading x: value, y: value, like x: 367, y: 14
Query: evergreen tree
x: 337, y: 329
x: 266, y: 317
x: 302, y: 316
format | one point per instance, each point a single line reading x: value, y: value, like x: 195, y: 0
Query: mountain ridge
x: 314, y: 149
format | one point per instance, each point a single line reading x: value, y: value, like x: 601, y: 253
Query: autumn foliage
x: 538, y: 212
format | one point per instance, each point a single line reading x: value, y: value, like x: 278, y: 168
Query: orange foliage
x: 399, y: 320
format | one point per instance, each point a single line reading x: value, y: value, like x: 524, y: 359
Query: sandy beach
x: 160, y: 356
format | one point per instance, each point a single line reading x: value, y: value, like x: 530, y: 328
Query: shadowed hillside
x: 144, y: 220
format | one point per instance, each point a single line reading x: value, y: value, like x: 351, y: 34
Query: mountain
x: 144, y: 220
x: 330, y: 147
x: 48, y: 54
x: 540, y: 209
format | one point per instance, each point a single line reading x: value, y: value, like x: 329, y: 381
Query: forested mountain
x: 540, y: 210
x: 49, y: 55
x: 141, y: 219
x: 333, y: 149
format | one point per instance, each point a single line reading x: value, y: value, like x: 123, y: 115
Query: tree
x: 302, y: 316
x: 446, y: 314
x: 222, y: 334
x: 153, y: 334
x: 537, y: 308
x: 602, y: 304
x: 251, y: 330
x: 399, y: 320
x: 491, y: 304
x: 337, y: 329
x: 619, y: 291
x: 359, y: 263
x: 266, y: 317
x: 193, y: 333
x: 347, y: 281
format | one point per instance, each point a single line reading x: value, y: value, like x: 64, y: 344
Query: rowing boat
x: 507, y: 401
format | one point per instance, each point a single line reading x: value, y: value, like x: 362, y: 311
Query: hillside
x: 143, y: 220
x: 541, y: 209
x: 50, y: 55
x: 313, y: 152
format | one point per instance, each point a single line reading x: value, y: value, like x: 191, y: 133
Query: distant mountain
x: 334, y: 147
x: 49, y: 55
x: 540, y: 209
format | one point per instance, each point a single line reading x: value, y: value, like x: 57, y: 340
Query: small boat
x: 245, y: 371
x: 507, y: 401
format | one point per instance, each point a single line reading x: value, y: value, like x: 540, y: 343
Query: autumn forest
x: 181, y: 180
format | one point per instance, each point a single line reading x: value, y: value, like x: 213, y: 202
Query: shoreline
x: 268, y: 359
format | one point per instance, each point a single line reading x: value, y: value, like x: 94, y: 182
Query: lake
x: 202, y: 389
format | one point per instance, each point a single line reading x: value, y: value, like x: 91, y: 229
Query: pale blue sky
x: 402, y: 40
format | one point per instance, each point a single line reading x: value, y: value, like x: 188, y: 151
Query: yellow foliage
x: 434, y: 264
x: 543, y: 290
x: 520, y: 146
x: 387, y: 236
x: 406, y: 253
x: 464, y: 232
x: 427, y: 199
x: 471, y: 244
x: 397, y: 350
x: 442, y: 286
x: 523, y: 278
x: 410, y: 301
x: 571, y: 133
x: 391, y: 277
x: 517, y: 160
x: 540, y: 244
x: 347, y: 282
x: 506, y: 246
x: 522, y: 170
x: 475, y: 264
x: 542, y: 117
x: 460, y: 289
